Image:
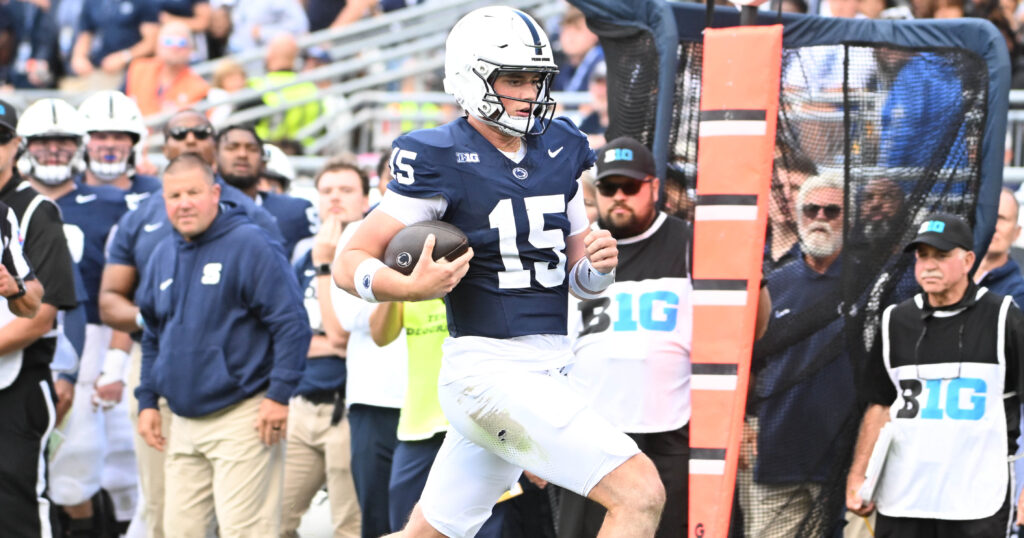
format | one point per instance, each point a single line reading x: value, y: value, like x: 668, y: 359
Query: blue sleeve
x: 265, y: 220
x: 120, y: 248
x: 273, y: 294
x: 146, y: 393
x: 412, y: 166
x: 86, y: 23
x: 149, y: 11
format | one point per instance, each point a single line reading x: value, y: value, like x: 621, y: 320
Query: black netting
x: 897, y: 133
x: 632, y: 81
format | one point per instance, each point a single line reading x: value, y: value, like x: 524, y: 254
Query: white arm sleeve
x: 577, y: 213
x: 409, y: 210
x: 353, y: 313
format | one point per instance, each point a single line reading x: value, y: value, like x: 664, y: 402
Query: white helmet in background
x: 112, y: 111
x: 494, y: 40
x: 277, y: 165
x: 50, y: 119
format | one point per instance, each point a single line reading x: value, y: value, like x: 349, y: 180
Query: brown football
x: 406, y: 246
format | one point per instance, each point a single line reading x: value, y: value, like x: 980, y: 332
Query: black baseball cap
x: 8, y: 116
x: 944, y: 232
x: 625, y: 157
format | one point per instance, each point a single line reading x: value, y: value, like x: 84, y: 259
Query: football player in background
x: 506, y: 175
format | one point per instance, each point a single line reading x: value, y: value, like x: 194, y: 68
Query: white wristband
x: 363, y: 279
x: 114, y: 367
x: 587, y: 282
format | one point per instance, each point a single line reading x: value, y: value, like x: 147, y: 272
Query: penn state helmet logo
x: 403, y: 259
x: 520, y: 173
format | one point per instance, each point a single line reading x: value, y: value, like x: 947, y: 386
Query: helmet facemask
x: 51, y: 165
x: 542, y: 107
x: 109, y: 161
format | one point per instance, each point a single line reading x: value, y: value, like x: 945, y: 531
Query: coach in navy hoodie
x: 225, y: 343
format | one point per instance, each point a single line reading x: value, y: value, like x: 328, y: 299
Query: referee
x: 27, y: 343
x: 946, y: 379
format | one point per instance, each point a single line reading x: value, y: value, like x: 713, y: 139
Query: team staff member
x: 636, y: 372
x: 27, y: 344
x: 130, y: 248
x: 319, y: 442
x: 225, y: 343
x: 946, y: 377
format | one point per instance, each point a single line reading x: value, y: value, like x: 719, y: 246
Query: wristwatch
x: 21, y: 290
x: 324, y: 269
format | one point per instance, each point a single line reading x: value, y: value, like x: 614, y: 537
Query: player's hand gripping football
x: 602, y: 250
x: 432, y: 279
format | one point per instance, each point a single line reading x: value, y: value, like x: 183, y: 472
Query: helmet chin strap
x: 51, y: 174
x: 108, y: 172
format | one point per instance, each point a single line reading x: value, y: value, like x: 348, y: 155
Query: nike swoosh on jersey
x: 780, y: 313
x: 555, y: 153
x: 166, y: 284
x: 84, y: 198
x: 152, y: 227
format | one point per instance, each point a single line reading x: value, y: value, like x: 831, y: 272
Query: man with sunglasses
x: 803, y: 381
x: 165, y: 82
x: 634, y: 369
x: 27, y: 345
x: 946, y: 380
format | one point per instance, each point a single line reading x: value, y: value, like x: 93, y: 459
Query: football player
x: 116, y: 132
x: 97, y: 449
x: 240, y: 162
x: 506, y: 175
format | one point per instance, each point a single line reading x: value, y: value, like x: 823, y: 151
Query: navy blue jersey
x: 89, y: 213
x: 296, y: 218
x: 142, y: 187
x: 514, y: 215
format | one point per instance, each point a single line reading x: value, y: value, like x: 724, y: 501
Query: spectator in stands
x: 280, y: 62
x: 225, y: 345
x: 111, y: 35
x: 804, y: 382
x: 997, y: 271
x: 596, y: 123
x: 945, y: 473
x: 256, y: 23
x: 228, y: 78
x: 319, y: 447
x: 582, y: 52
x: 34, y: 43
x: 789, y: 171
x: 337, y: 13
x: 637, y: 376
x: 165, y: 82
x: 374, y: 393
x: 195, y: 14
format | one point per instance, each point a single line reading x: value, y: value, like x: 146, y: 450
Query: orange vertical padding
x: 738, y: 111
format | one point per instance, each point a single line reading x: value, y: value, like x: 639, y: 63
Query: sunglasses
x: 6, y: 135
x: 201, y: 132
x: 629, y: 188
x: 175, y: 42
x: 832, y: 211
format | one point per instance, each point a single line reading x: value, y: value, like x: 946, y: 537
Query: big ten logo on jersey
x: 461, y: 157
x: 960, y: 398
x: 76, y: 241
x: 211, y: 274
x: 631, y: 309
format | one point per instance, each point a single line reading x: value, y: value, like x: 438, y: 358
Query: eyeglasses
x: 178, y: 42
x: 201, y: 132
x: 629, y: 188
x: 6, y: 135
x: 832, y: 211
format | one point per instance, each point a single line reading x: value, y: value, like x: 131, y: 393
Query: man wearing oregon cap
x: 946, y: 379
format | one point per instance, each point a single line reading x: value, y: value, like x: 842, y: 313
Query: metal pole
x: 748, y: 16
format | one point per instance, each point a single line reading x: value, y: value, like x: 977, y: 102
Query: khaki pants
x: 149, y: 460
x: 317, y: 453
x: 217, y: 465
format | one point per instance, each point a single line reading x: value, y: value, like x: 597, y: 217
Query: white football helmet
x: 277, y: 165
x: 48, y: 119
x: 113, y: 111
x: 487, y: 42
